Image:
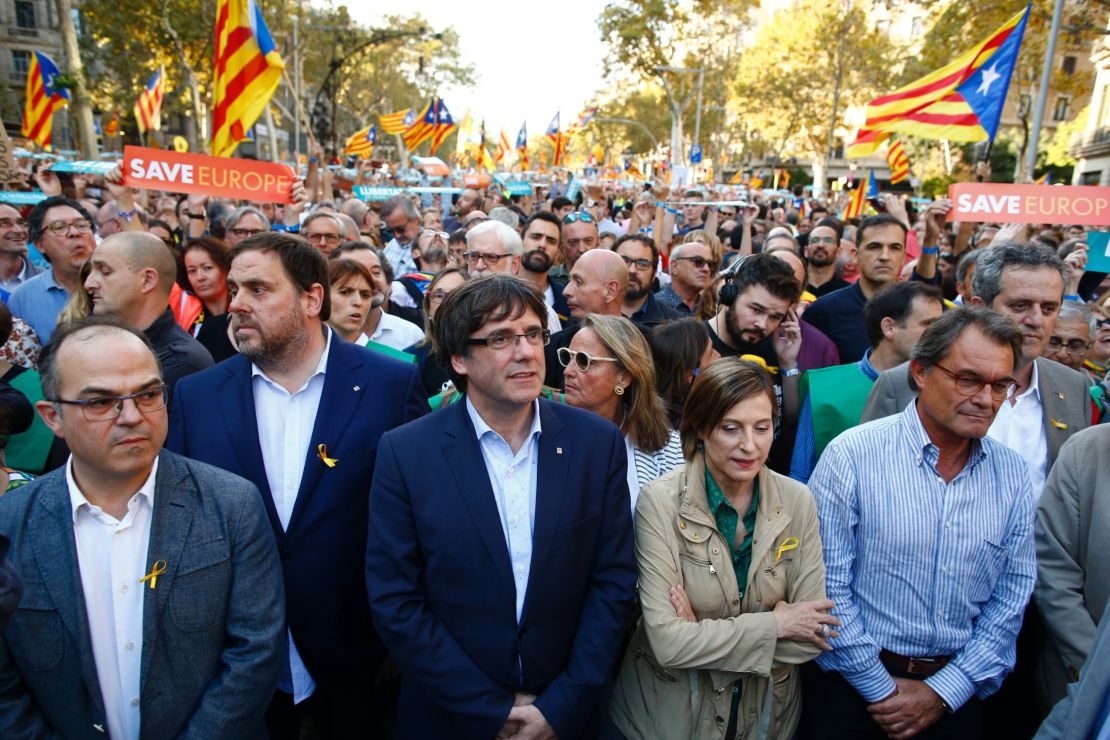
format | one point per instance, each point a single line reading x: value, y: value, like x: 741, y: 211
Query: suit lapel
x: 236, y: 403
x: 1056, y: 425
x: 551, y: 478
x: 338, y: 402
x: 174, y: 494
x: 55, y: 549
x: 464, y: 455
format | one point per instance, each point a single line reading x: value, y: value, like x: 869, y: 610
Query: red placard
x: 165, y: 169
x: 1078, y: 205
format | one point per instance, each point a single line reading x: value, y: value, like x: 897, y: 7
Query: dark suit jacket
x: 1064, y: 395
x: 442, y: 591
x: 212, y: 628
x: 1078, y: 714
x: 322, y: 551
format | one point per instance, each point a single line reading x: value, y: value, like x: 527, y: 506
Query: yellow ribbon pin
x: 1057, y: 423
x: 790, y: 543
x: 761, y: 362
x: 322, y: 452
x: 158, y: 569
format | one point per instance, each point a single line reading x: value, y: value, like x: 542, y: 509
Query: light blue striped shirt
x: 921, y: 567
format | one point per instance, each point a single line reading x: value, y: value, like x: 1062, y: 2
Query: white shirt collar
x: 321, y: 366
x: 1034, y: 385
x: 481, y: 427
x: 77, y: 498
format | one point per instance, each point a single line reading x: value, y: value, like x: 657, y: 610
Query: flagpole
x: 300, y: 110
x: 1042, y: 94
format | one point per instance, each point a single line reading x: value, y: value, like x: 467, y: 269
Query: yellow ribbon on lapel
x: 771, y: 369
x: 158, y: 569
x: 1058, y: 424
x: 790, y: 543
x: 322, y: 453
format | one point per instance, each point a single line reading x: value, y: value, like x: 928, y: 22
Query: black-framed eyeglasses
x: 970, y: 385
x: 698, y: 262
x: 1075, y: 346
x: 245, y: 233
x: 323, y: 237
x: 62, y: 227
x: 583, y: 216
x: 580, y: 359
x: 534, y: 337
x: 640, y: 264
x: 490, y: 259
x: 104, y: 408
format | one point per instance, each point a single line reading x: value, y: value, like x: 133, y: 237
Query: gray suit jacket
x: 213, y: 628
x: 1064, y: 394
x: 1073, y: 557
x: 1077, y: 715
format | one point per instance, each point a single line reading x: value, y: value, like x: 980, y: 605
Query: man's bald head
x: 145, y: 251
x: 598, y: 283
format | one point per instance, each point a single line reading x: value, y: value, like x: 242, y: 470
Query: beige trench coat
x: 676, y: 677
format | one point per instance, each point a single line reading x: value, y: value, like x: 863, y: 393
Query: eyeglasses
x: 323, y: 237
x: 698, y: 262
x: 496, y: 342
x: 640, y: 264
x: 245, y: 233
x: 7, y: 223
x: 970, y: 385
x: 104, y: 408
x: 581, y: 360
x: 62, y: 227
x: 1104, y: 323
x: 1075, y: 346
x: 490, y: 259
x: 437, y: 234
x: 822, y: 240
x: 583, y: 216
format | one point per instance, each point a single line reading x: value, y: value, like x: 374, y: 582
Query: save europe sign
x: 1031, y: 204
x: 164, y: 169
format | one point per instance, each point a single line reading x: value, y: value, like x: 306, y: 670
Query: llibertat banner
x: 228, y: 177
x: 1078, y: 205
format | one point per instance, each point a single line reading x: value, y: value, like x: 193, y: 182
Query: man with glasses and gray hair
x: 159, y: 609
x: 493, y: 247
x: 403, y: 220
x: 323, y: 230
x: 244, y: 222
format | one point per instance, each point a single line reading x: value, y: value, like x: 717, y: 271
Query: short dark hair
x: 718, y: 388
x: 676, y: 348
x: 895, y: 301
x: 48, y: 358
x: 561, y: 202
x: 966, y: 261
x: 35, y: 225
x: 458, y: 236
x: 986, y: 283
x: 873, y: 222
x: 643, y: 240
x: 469, y: 307
x: 302, y: 262
x: 345, y: 249
x: 830, y: 223
x: 547, y: 216
x: 937, y: 340
x: 769, y: 271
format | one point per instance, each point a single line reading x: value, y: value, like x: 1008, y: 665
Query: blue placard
x: 22, y: 198
x: 519, y: 187
x: 573, y: 189
x: 84, y: 167
x: 1098, y: 251
x: 381, y: 192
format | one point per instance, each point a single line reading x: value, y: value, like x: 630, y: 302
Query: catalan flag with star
x: 962, y: 101
x: 522, y: 145
x: 361, y: 143
x: 43, y: 98
x: 399, y: 122
x: 558, y: 141
x: 148, y: 110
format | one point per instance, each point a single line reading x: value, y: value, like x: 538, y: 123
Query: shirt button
x: 129, y: 646
x: 123, y: 589
x: 716, y: 551
x: 135, y: 702
x: 943, y: 569
x: 735, y: 600
x: 948, y: 525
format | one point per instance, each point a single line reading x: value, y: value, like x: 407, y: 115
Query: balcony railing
x: 1093, y: 144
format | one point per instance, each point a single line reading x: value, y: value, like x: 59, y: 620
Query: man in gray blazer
x: 1083, y: 712
x: 1073, y: 558
x: 153, y: 601
x: 1027, y: 285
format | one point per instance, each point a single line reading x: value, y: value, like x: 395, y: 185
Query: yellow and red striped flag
x: 503, y: 147
x: 43, y: 98
x: 399, y: 122
x: 444, y: 125
x: 112, y: 127
x: 522, y: 146
x: 361, y: 143
x: 247, y: 72
x: 898, y: 161
x: 148, y: 110
x: 962, y: 101
x: 859, y: 199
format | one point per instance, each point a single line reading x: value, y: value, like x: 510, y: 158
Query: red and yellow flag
x: 858, y: 201
x: 399, y: 122
x: 899, y: 162
x: 148, y: 111
x: 43, y: 98
x: 247, y: 72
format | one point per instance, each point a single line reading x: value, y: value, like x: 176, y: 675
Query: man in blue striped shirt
x: 927, y: 527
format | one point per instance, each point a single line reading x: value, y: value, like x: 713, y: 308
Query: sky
x: 530, y: 59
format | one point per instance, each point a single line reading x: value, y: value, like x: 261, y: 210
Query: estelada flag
x: 961, y: 101
x: 43, y: 98
x: 361, y: 143
x: 899, y: 162
x: 247, y: 71
x: 148, y: 109
x: 399, y: 122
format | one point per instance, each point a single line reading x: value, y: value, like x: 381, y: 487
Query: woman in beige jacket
x: 714, y: 656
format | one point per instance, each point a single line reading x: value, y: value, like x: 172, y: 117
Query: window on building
x: 916, y: 26
x: 25, y: 14
x: 1024, y: 103
x: 882, y: 26
x: 1060, y: 112
x: 1068, y: 65
x: 21, y: 64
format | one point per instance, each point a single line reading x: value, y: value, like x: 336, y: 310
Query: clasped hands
x: 525, y: 721
x: 912, y: 707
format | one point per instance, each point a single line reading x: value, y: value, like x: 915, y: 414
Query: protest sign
x: 13, y: 198
x: 1098, y: 251
x: 164, y: 169
x: 8, y: 171
x: 83, y: 167
x: 1029, y: 204
x: 382, y: 192
x: 519, y: 187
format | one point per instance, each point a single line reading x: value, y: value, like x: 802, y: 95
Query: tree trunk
x: 82, y: 110
x: 819, y: 175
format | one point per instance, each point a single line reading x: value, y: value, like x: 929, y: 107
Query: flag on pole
x: 444, y: 125
x: 399, y: 122
x: 522, y: 145
x: 558, y: 141
x: 584, y: 119
x: 361, y: 143
x: 148, y: 109
x: 465, y: 139
x: 42, y: 99
x: 247, y: 71
x: 962, y: 101
x: 482, y: 156
x: 899, y: 162
x: 1045, y: 179
x: 859, y: 197
x: 503, y: 147
x: 112, y: 127
x: 423, y: 127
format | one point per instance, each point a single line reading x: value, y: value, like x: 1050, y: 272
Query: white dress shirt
x: 394, y: 332
x: 285, y: 422
x: 1020, y: 426
x: 112, y: 559
x: 513, y: 479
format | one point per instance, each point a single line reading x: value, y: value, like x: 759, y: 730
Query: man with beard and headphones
x: 755, y: 321
x: 542, y: 234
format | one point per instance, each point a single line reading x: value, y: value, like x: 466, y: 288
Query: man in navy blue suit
x: 299, y: 413
x: 500, y: 563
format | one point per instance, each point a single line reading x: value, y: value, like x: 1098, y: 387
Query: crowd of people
x: 645, y: 463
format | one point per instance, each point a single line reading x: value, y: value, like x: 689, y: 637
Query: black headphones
x: 729, y: 291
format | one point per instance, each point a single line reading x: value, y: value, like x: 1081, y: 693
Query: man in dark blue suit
x: 299, y: 413
x: 500, y: 563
